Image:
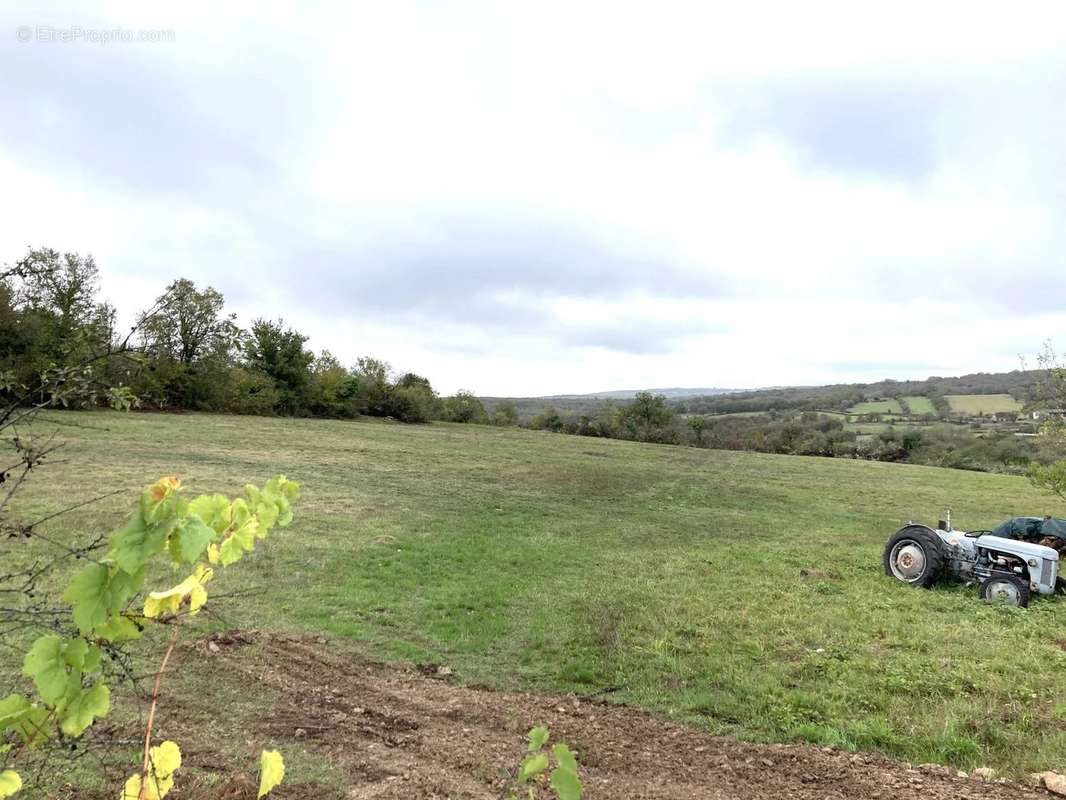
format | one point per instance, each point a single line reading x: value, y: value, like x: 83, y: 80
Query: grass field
x: 889, y: 406
x: 982, y: 403
x: 920, y: 405
x: 741, y: 593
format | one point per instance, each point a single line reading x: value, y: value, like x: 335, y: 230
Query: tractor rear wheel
x: 1005, y: 589
x: 913, y: 555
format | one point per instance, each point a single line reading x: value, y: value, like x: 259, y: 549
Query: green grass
x: 741, y: 593
x: 982, y: 403
x: 919, y: 405
x: 889, y: 406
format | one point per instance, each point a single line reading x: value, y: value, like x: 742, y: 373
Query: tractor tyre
x: 914, y: 555
x: 1007, y: 589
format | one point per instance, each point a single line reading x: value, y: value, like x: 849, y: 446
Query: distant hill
x: 1019, y: 384
x: 628, y: 394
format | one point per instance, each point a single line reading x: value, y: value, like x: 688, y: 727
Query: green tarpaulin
x: 1031, y: 528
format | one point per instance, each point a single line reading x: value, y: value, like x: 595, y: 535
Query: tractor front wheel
x: 1005, y: 589
x: 913, y: 555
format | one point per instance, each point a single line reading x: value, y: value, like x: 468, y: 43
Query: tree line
x: 192, y: 355
x: 652, y: 418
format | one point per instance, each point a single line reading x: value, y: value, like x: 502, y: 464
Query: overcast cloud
x: 537, y: 198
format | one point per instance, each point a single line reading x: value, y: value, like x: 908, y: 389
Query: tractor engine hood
x: 1015, y: 547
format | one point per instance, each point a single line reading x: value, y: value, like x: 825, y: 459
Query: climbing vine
x: 198, y: 537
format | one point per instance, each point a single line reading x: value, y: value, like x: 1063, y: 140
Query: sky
x: 522, y: 198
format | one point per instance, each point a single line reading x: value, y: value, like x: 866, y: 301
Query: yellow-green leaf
x: 165, y: 758
x: 84, y: 708
x: 566, y: 784
x: 533, y: 766
x: 538, y: 737
x: 190, y: 591
x: 564, y: 757
x: 271, y: 771
x: 10, y: 782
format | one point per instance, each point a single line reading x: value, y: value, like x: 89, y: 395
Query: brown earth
x: 394, y: 732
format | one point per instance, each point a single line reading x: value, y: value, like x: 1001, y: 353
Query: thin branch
x: 151, y: 714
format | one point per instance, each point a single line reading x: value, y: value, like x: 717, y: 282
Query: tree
x: 463, y: 406
x: 279, y: 353
x: 1051, y: 392
x: 505, y: 413
x: 696, y: 425
x: 547, y: 420
x: 190, y: 324
x: 333, y: 389
x: 412, y: 399
x: 55, y: 297
x: 373, y: 375
x: 645, y: 416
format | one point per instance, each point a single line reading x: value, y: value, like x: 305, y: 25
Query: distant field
x: 889, y: 406
x: 982, y: 403
x: 920, y: 405
x: 738, y: 592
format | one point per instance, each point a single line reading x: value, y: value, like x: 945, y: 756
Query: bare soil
x: 393, y: 732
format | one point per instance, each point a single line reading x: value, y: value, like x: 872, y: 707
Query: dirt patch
x: 819, y: 574
x: 393, y: 732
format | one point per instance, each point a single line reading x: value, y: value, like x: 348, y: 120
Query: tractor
x: 1018, y: 559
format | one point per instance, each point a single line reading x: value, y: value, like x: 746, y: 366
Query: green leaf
x: 74, y: 653
x: 44, y: 663
x: 119, y: 629
x: 136, y: 542
x: 271, y: 771
x: 212, y: 509
x: 92, y: 659
x: 564, y: 757
x: 230, y: 551
x: 10, y: 782
x: 13, y: 709
x: 190, y: 539
x: 84, y: 708
x: 124, y: 585
x: 538, y: 737
x: 89, y: 597
x: 34, y: 726
x: 532, y: 766
x: 566, y: 784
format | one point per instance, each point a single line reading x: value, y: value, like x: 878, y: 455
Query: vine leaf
x: 136, y: 542
x: 271, y: 771
x: 566, y: 784
x: 46, y: 665
x: 84, y: 708
x: 13, y: 709
x: 190, y: 539
x: 163, y: 761
x: 564, y: 778
x: 191, y: 591
x: 538, y: 737
x: 89, y: 596
x: 10, y: 782
x: 532, y: 766
x: 211, y: 509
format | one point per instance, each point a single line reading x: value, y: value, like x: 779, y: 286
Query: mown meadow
x: 739, y: 592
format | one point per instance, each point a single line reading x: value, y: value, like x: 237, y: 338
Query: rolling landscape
x: 722, y: 590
